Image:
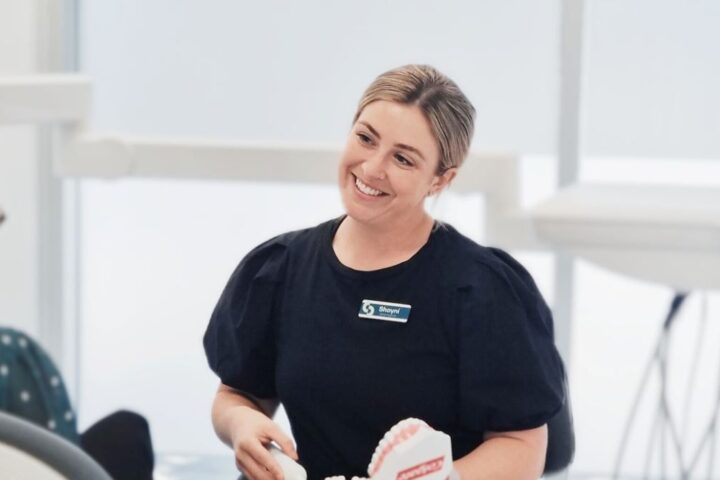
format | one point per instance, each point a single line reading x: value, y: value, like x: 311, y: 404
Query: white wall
x: 18, y: 177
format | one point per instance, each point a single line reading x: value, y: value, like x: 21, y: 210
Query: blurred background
x: 117, y: 278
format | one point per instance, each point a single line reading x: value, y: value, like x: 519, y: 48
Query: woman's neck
x: 370, y: 247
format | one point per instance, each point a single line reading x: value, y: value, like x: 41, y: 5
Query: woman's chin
x: 358, y: 210
x: 361, y: 216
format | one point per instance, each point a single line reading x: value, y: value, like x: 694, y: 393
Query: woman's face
x: 389, y: 164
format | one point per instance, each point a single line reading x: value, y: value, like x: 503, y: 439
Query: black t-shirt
x: 475, y: 353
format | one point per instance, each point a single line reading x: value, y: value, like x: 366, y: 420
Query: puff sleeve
x: 239, y: 340
x: 510, y: 373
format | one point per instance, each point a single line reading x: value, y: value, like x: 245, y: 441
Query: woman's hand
x: 250, y: 434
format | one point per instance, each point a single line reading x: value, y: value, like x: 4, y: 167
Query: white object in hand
x: 291, y: 469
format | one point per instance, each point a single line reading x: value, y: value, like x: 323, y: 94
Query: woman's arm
x: 244, y: 424
x: 518, y: 455
x: 227, y: 400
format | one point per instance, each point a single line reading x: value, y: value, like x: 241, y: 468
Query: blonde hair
x: 450, y: 113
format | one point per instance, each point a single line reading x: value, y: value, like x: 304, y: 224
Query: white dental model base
x: 411, y: 450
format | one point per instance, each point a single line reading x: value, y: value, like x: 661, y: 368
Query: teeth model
x: 410, y: 450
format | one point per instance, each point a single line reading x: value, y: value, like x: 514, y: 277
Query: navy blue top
x: 476, y: 353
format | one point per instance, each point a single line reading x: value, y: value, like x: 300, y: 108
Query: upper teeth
x: 365, y: 189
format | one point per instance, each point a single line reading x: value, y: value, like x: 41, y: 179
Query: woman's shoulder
x: 471, y: 263
x: 277, y: 248
x: 297, y: 239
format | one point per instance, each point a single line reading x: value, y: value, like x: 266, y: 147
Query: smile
x: 368, y: 190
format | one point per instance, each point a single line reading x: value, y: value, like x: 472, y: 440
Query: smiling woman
x: 464, y: 341
x: 383, y: 178
x: 411, y: 132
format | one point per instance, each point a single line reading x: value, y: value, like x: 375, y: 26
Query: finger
x: 283, y: 441
x: 252, y: 469
x: 264, y: 460
x: 241, y: 462
x: 248, y: 466
x: 242, y: 468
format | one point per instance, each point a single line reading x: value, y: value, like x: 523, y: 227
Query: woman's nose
x: 374, y: 165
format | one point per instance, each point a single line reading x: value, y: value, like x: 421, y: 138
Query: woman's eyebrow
x: 400, y: 145
x: 372, y: 130
x: 412, y: 149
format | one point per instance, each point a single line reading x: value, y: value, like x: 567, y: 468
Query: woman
x: 384, y: 313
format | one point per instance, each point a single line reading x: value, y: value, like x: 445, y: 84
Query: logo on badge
x: 378, y: 310
x: 367, y: 308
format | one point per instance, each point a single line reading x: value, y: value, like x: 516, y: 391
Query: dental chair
x: 30, y: 452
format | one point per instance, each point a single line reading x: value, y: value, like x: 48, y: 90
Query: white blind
x: 652, y: 78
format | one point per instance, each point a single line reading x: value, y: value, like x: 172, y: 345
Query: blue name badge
x: 391, y: 312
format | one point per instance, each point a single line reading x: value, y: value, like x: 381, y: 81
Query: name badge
x: 391, y: 312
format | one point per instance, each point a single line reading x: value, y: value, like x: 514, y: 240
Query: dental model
x: 411, y: 450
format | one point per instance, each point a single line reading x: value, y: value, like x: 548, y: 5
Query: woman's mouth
x: 367, y: 190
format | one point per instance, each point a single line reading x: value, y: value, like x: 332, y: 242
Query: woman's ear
x: 441, y: 182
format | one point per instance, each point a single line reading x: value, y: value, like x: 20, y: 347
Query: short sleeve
x: 510, y: 373
x: 239, y: 340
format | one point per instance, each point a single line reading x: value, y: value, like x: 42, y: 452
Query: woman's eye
x: 404, y: 161
x: 364, y: 138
